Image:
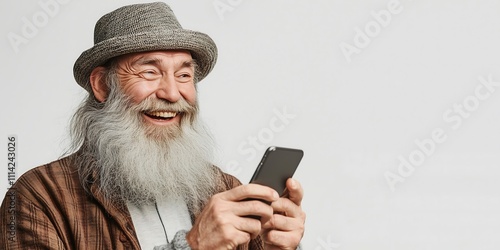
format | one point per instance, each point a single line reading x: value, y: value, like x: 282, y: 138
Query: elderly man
x: 141, y: 175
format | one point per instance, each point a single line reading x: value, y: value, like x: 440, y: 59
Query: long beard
x: 142, y: 163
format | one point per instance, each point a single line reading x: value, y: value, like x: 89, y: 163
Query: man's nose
x: 168, y: 89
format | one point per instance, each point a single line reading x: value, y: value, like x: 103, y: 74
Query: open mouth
x: 161, y: 115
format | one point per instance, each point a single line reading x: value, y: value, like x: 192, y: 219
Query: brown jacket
x: 47, y: 208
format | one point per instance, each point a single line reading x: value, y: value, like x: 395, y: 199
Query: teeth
x: 163, y: 114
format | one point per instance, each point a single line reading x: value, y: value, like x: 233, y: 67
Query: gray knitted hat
x: 138, y: 28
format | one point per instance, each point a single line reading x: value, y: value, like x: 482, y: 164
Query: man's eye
x: 149, y: 74
x: 185, y: 75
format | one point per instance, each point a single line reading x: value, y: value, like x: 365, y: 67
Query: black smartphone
x: 277, y: 165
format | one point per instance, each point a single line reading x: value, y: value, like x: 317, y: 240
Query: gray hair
x: 114, y: 149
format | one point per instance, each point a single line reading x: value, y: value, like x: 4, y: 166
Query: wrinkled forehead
x: 156, y: 57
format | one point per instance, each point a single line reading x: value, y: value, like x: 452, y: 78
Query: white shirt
x: 148, y: 221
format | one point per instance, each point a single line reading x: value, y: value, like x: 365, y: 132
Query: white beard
x: 141, y: 163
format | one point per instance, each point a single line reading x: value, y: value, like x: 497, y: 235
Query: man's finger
x: 283, y: 223
x: 286, y: 207
x: 282, y: 239
x: 294, y: 191
x: 251, y: 191
x: 255, y: 208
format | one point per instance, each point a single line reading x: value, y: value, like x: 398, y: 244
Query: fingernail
x: 276, y: 195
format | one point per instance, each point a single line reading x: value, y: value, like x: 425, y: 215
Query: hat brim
x: 201, y: 46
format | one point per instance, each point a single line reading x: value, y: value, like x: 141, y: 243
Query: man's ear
x: 98, y: 83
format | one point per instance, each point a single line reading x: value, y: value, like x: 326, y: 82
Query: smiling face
x: 142, y: 125
x: 163, y: 75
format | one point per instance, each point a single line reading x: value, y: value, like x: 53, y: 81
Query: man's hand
x: 224, y: 224
x: 286, y: 227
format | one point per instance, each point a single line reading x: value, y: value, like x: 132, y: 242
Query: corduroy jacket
x: 48, y: 208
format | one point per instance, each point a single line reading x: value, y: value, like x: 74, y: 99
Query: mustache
x: 151, y: 104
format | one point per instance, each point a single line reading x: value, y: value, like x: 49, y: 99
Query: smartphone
x: 277, y: 165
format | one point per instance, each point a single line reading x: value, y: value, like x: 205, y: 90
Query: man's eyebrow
x: 188, y: 64
x: 147, y: 61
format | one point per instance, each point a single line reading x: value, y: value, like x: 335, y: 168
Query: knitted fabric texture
x: 141, y: 28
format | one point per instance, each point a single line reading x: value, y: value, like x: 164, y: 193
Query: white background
x: 355, y: 116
